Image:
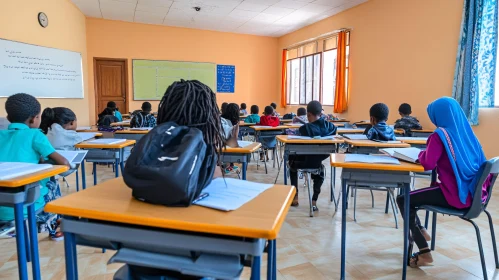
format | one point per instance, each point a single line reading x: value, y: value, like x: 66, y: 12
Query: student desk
x: 293, y: 125
x: 283, y: 121
x: 385, y: 175
x: 369, y: 147
x: 240, y: 155
x: 16, y: 193
x: 259, y: 130
x: 309, y: 147
x: 243, y: 124
x: 422, y: 132
x: 418, y: 142
x: 118, y: 149
x: 130, y: 134
x: 350, y: 130
x: 94, y: 130
x: 108, y: 216
x: 124, y: 123
x: 245, y: 128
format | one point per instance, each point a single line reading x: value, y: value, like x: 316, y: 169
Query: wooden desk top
x: 369, y: 143
x: 131, y: 131
x: 399, y: 131
x: 286, y: 121
x: 33, y: 177
x: 87, y: 145
x: 293, y: 125
x: 87, y: 130
x: 246, y: 124
x: 350, y: 130
x: 98, y: 134
x: 284, y: 139
x: 251, y: 148
x: 121, y: 124
x: 112, y: 201
x: 258, y: 128
x: 415, y: 141
x: 423, y: 130
x: 338, y: 160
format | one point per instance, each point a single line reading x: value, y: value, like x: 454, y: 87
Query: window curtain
x: 340, y: 96
x: 474, y: 76
x: 284, y: 78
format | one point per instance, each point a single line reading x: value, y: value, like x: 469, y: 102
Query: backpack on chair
x: 137, y: 119
x: 170, y: 165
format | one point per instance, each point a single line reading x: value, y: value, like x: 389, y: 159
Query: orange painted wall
x: 253, y: 56
x: 66, y: 30
x: 401, y: 51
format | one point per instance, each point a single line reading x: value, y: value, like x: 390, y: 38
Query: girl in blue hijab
x: 456, y: 154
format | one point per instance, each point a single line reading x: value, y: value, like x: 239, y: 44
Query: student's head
x: 301, y: 112
x: 224, y: 106
x: 146, y: 107
x: 59, y: 115
x: 273, y: 105
x: 112, y: 105
x: 446, y: 112
x: 314, y: 110
x: 378, y: 113
x: 254, y: 109
x: 232, y: 113
x: 23, y: 108
x: 243, y: 106
x: 405, y: 110
x: 194, y: 104
x: 107, y: 112
x: 268, y: 111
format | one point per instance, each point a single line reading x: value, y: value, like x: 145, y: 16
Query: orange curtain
x: 340, y: 97
x: 284, y: 78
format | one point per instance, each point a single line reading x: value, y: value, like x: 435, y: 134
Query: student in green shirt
x: 23, y: 141
x: 254, y: 117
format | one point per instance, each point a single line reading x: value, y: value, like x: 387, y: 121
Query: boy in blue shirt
x: 316, y: 126
x: 24, y: 142
x: 379, y: 130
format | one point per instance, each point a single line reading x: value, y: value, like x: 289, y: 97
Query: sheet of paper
x: 141, y: 128
x: 412, y: 153
x: 299, y: 137
x: 9, y: 170
x: 83, y: 128
x: 107, y: 141
x: 330, y: 137
x: 370, y: 159
x: 243, y: 144
x: 340, y: 129
x: 389, y: 151
x: 230, y: 194
x: 355, y: 136
x: 86, y: 135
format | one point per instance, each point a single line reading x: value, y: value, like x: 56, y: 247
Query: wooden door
x: 111, y: 83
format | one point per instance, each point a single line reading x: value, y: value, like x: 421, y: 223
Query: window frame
x: 290, y: 75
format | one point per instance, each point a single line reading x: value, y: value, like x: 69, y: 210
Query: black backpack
x: 170, y: 165
x: 137, y: 119
x: 289, y: 116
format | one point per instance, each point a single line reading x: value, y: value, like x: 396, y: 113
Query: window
x: 311, y: 74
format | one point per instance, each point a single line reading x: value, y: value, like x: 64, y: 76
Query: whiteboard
x: 40, y: 71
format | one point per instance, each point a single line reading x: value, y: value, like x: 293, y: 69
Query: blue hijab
x: 464, y: 151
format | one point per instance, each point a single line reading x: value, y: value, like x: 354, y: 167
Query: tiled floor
x: 309, y: 248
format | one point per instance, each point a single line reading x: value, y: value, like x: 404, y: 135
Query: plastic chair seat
x: 446, y: 211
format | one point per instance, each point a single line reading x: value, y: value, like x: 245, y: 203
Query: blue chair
x: 477, y: 207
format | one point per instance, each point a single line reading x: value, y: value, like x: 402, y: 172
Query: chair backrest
x: 477, y: 206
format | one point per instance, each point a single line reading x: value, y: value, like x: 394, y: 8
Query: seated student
x: 230, y: 126
x: 243, y: 111
x: 317, y: 126
x: 268, y: 118
x: 222, y: 108
x: 274, y: 106
x: 179, y: 105
x: 116, y: 112
x: 301, y: 116
x: 59, y: 124
x: 106, y: 118
x: 379, y: 130
x: 143, y: 118
x: 455, y: 153
x: 407, y: 122
x: 24, y: 142
x: 254, y: 117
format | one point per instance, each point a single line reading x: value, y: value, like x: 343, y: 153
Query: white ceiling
x: 259, y: 17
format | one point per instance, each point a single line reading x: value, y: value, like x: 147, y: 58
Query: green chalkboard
x: 151, y: 78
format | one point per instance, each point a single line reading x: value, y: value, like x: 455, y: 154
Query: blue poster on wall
x: 226, y: 77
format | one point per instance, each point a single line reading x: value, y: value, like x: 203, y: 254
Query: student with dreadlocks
x: 24, y: 142
x: 230, y: 126
x: 194, y: 104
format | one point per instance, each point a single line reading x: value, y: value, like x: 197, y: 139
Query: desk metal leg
x: 255, y: 268
x: 116, y: 167
x: 285, y: 163
x: 270, y: 259
x: 245, y: 167
x: 274, y: 260
x: 83, y: 176
x: 122, y: 160
x: 70, y: 252
x: 344, y: 197
x: 95, y: 173
x: 407, y: 197
x: 77, y: 181
x: 20, y: 239
x: 33, y: 235
x: 26, y: 244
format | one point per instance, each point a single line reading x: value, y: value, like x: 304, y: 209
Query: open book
x: 405, y: 154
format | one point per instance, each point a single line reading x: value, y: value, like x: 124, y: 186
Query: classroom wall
x: 401, y: 51
x: 253, y: 56
x: 66, y: 30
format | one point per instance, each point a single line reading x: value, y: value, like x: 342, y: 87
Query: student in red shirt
x: 268, y: 118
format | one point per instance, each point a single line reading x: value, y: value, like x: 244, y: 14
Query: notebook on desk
x: 9, y: 170
x: 405, y: 154
x: 108, y: 141
x: 74, y: 157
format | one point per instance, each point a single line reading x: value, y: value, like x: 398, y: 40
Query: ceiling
x: 259, y: 17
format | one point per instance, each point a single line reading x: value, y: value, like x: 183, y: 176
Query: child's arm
x: 434, y: 149
x: 232, y: 141
x: 58, y: 159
